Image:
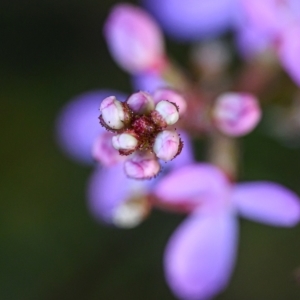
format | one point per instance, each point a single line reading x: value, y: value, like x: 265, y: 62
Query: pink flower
x: 275, y: 25
x: 200, y: 255
x: 134, y: 39
x: 140, y: 125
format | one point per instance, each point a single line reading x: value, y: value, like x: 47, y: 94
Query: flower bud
x: 125, y: 142
x: 236, y: 114
x: 167, y: 145
x: 103, y: 150
x: 165, y: 113
x: 131, y: 213
x: 172, y: 96
x: 134, y: 39
x: 113, y: 113
x: 142, y: 165
x: 141, y: 102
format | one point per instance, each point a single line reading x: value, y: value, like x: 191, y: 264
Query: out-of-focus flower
x: 236, y: 114
x: 192, y: 20
x: 134, y: 39
x: 200, y: 255
x: 275, y: 25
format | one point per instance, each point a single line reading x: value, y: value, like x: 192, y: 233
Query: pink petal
x: 134, y: 39
x: 267, y: 202
x: 289, y: 53
x: 200, y: 256
x: 194, y: 185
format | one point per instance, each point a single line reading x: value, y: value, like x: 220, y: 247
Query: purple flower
x: 192, y: 20
x: 275, y: 25
x: 200, y: 255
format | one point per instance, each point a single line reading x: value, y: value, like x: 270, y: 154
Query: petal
x: 134, y: 39
x: 200, y: 255
x: 193, y: 185
x: 192, y: 19
x: 267, y: 202
x: 289, y: 53
x: 77, y: 125
x: 148, y: 81
x: 109, y: 189
x: 251, y: 42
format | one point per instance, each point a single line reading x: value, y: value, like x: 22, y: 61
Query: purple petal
x: 289, y: 53
x: 271, y: 16
x: 267, y: 202
x: 148, y: 81
x: 194, y: 185
x: 250, y: 41
x: 77, y: 125
x: 192, y: 19
x: 109, y: 188
x: 200, y: 256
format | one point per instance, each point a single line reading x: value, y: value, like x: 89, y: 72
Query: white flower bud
x: 142, y: 165
x: 236, y: 114
x: 168, y: 111
x: 113, y: 113
x: 167, y: 145
x: 172, y: 96
x: 125, y: 141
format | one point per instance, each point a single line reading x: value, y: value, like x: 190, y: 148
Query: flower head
x: 142, y: 130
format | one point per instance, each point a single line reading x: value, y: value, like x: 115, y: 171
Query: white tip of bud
x: 113, y: 113
x: 167, y: 144
x: 103, y: 150
x: 142, y: 165
x: 236, y: 114
x: 141, y: 102
x: 172, y: 96
x: 124, y: 141
x: 168, y: 111
x: 130, y: 214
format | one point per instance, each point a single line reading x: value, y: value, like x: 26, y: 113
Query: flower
x: 139, y: 124
x: 200, y: 255
x: 274, y: 25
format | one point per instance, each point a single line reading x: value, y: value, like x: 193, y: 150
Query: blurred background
x: 51, y: 248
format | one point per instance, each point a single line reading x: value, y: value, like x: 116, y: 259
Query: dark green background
x: 50, y: 247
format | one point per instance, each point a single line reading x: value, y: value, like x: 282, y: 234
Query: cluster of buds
x: 139, y: 127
